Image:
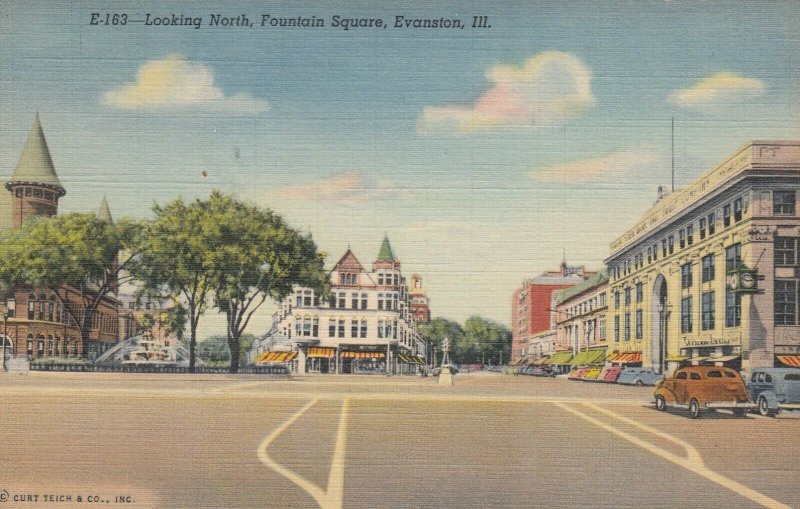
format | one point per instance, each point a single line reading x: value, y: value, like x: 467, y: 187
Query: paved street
x: 488, y: 441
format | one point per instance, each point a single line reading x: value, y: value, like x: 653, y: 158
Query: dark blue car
x: 774, y: 389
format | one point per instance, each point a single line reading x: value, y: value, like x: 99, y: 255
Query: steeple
x: 104, y: 214
x: 385, y: 254
x: 35, y: 165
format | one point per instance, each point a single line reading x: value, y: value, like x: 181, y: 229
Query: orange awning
x: 790, y: 360
x: 318, y: 351
x: 627, y: 358
x: 276, y: 356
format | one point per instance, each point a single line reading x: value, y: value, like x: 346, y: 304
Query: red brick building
x: 533, y: 305
x: 420, y: 305
x: 40, y: 322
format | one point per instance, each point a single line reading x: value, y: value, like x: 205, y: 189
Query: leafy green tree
x: 72, y: 253
x: 485, y: 341
x: 435, y: 331
x: 214, y: 349
x: 256, y: 257
x: 177, y: 263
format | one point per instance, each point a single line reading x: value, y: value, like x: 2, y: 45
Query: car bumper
x: 730, y: 404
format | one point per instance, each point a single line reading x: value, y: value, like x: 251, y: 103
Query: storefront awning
x: 588, y: 357
x: 322, y: 352
x: 403, y: 357
x: 626, y: 358
x: 276, y: 356
x: 790, y: 360
x: 560, y: 358
x: 724, y: 358
x: 363, y: 355
x: 416, y: 359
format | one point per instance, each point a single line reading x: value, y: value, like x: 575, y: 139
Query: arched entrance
x: 659, y: 320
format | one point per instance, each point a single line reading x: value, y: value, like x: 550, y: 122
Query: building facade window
x: 616, y: 328
x: 639, y: 324
x: 785, y: 302
x: 616, y: 299
x: 686, y: 275
x: 702, y: 228
x: 733, y: 309
x: 686, y: 314
x: 690, y: 234
x: 340, y: 328
x: 712, y: 223
x: 738, y: 207
x: 707, y: 322
x: 11, y: 306
x: 708, y: 268
x: 639, y: 293
x: 785, y: 251
x: 627, y: 327
x: 726, y: 216
x: 783, y: 203
x: 627, y: 296
x: 682, y: 238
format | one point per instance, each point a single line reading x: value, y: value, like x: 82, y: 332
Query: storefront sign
x: 709, y: 341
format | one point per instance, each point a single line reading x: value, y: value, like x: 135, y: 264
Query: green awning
x: 559, y: 358
x: 588, y: 357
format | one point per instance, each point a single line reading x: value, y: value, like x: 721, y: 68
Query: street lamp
x: 5, y: 336
x: 663, y: 314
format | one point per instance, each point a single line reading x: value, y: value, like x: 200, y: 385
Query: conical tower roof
x: 104, y: 214
x: 385, y: 254
x: 35, y: 164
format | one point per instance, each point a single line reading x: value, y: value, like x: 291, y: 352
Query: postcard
x: 420, y: 254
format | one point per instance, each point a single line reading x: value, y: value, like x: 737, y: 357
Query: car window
x: 792, y: 377
x: 730, y: 374
x: 714, y: 374
x: 694, y: 376
x: 768, y: 378
x: 761, y: 377
x: 754, y: 377
x: 681, y: 375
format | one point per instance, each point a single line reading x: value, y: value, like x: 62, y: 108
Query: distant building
x: 581, y: 320
x: 367, y: 324
x: 37, y: 321
x: 711, y: 272
x: 420, y: 304
x: 533, y: 306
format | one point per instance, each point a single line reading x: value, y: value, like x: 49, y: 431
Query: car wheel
x: 694, y: 409
x: 661, y: 403
x: 763, y: 407
x: 639, y: 383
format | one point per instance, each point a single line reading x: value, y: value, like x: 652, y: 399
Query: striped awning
x: 363, y: 355
x: 417, y: 359
x: 277, y: 356
x: 626, y: 358
x: 559, y: 358
x: 322, y: 352
x: 790, y: 360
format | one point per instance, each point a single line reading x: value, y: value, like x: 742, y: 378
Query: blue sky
x: 482, y: 153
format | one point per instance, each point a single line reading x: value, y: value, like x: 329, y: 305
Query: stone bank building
x: 711, y: 273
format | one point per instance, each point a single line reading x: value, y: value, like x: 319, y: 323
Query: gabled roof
x: 35, y: 164
x: 104, y: 214
x: 385, y: 254
x: 349, y: 263
x: 598, y: 279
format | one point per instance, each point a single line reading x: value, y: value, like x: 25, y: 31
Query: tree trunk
x: 233, y: 346
x: 192, y: 340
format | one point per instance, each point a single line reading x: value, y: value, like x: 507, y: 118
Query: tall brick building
x: 533, y: 305
x: 42, y: 322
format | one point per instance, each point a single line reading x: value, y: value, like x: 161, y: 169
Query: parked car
x: 774, y: 389
x: 591, y: 374
x: 436, y: 371
x: 699, y: 387
x: 638, y: 376
x: 610, y: 375
x: 542, y: 371
x: 577, y: 373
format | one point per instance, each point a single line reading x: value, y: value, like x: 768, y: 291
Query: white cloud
x: 174, y: 83
x: 548, y: 89
x: 718, y: 89
x: 593, y: 169
x: 340, y: 188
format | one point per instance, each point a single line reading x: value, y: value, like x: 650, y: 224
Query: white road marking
x: 332, y: 497
x: 693, y: 462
